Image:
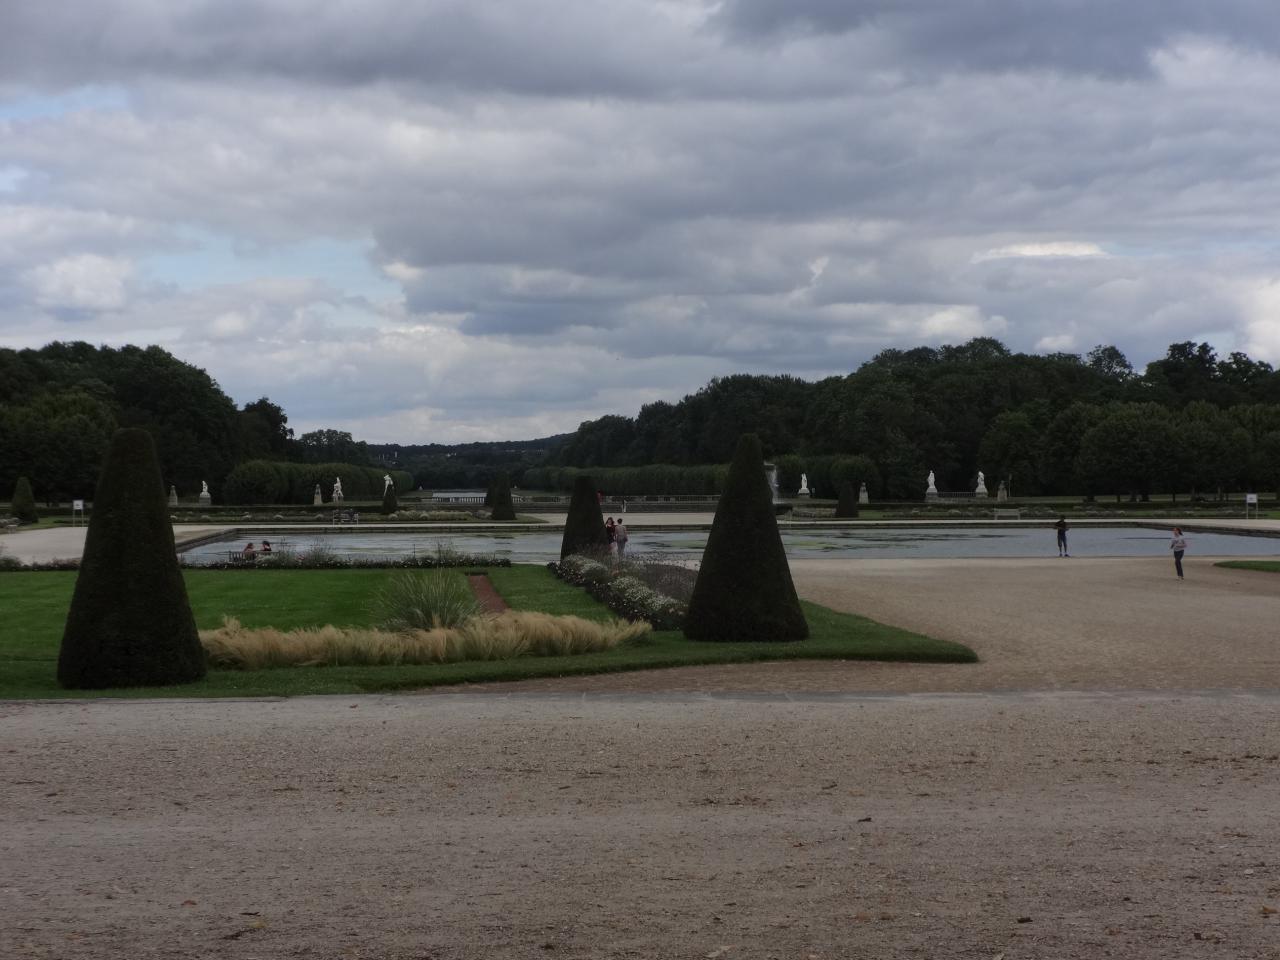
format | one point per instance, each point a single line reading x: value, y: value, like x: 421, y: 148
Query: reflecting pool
x: 809, y: 542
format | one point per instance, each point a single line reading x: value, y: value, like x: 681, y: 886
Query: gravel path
x: 1076, y: 818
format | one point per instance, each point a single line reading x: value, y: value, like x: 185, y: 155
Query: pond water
x: 883, y: 542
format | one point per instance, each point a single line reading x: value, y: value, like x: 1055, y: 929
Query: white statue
x: 981, y: 490
x: 204, y: 488
x: 386, y: 483
x: 932, y: 489
x: 337, y: 489
x: 863, y: 496
x: 318, y: 498
x: 804, y: 485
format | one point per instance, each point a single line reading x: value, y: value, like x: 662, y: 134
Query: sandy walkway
x: 1050, y: 824
x: 1112, y: 624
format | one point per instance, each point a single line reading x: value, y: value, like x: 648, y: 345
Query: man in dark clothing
x: 1062, y: 528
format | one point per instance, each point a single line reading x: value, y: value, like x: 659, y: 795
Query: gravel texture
x: 1101, y: 811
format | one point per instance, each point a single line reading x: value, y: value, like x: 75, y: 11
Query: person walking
x: 611, y: 533
x: 620, y: 537
x: 1062, y: 528
x: 1179, y: 546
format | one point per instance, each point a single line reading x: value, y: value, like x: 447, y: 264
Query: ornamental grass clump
x: 130, y: 622
x: 744, y: 590
x: 423, y: 601
x: 501, y: 636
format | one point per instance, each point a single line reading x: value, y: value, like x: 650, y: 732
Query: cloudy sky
x: 453, y: 220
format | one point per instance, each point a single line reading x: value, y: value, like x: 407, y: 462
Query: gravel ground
x: 1079, y: 817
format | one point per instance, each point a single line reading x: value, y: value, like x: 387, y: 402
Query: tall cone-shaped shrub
x: 390, y: 502
x: 503, y: 508
x: 744, y: 589
x: 847, y: 505
x: 130, y: 622
x: 584, y: 526
x: 24, y: 502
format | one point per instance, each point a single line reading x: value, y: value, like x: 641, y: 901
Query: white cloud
x: 1060, y: 248
x: 81, y: 282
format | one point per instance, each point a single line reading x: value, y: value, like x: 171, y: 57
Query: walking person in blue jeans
x: 1179, y: 546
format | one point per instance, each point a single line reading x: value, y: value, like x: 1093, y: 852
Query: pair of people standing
x: 1178, y: 545
x: 618, y: 536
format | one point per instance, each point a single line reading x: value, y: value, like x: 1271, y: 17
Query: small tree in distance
x: 584, y: 526
x: 130, y: 623
x: 503, y: 508
x: 847, y: 505
x: 744, y: 590
x: 24, y: 502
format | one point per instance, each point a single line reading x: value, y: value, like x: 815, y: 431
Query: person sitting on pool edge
x: 266, y: 546
x: 249, y: 553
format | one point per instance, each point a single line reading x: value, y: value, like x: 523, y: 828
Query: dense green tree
x: 503, y: 508
x: 584, y: 525
x: 331, y: 446
x: 390, y: 503
x: 744, y: 590
x: 130, y: 623
x: 23, y: 502
x: 1129, y: 451
x: 1010, y: 451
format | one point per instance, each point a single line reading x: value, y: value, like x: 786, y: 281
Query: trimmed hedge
x: 744, y: 590
x: 279, y: 481
x: 503, y: 508
x: 847, y: 506
x: 24, y: 502
x: 584, y: 530
x: 130, y: 623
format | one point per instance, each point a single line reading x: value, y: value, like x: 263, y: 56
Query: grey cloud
x: 1095, y: 36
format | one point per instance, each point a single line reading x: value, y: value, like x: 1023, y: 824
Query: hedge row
x: 278, y: 481
x: 625, y: 595
x: 660, y: 479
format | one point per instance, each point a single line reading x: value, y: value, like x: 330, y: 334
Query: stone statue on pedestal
x: 981, y: 489
x: 863, y: 496
x: 1002, y: 492
x: 173, y: 495
x: 931, y: 491
x: 205, y: 499
x: 318, y: 498
x: 337, y: 489
x: 804, y: 486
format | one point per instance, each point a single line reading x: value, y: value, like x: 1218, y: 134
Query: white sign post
x: 77, y: 506
x: 1250, y: 500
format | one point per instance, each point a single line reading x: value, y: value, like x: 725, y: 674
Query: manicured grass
x: 1267, y: 566
x: 35, y: 607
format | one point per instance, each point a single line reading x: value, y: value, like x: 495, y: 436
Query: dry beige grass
x: 489, y: 637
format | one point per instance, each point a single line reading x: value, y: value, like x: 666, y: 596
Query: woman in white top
x: 1179, y: 546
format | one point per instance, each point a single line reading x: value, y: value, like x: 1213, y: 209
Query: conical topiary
x: 584, y: 526
x: 503, y: 508
x: 130, y: 622
x: 390, y: 503
x: 744, y: 589
x: 847, y: 505
x: 24, y: 502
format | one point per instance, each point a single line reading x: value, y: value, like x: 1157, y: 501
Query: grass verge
x: 1267, y: 566
x: 35, y: 607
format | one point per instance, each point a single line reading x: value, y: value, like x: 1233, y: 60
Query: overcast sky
x: 453, y: 220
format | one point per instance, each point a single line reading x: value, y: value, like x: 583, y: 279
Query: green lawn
x: 35, y: 606
x: 1267, y: 566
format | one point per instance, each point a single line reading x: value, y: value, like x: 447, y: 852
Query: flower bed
x: 622, y: 592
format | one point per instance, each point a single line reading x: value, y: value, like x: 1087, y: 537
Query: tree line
x: 60, y: 405
x: 1061, y: 424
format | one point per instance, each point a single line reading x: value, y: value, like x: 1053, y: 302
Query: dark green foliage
x: 24, y: 503
x: 130, y: 622
x: 503, y: 508
x: 389, y: 502
x: 584, y: 526
x: 744, y: 589
x: 847, y: 506
x: 274, y: 481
